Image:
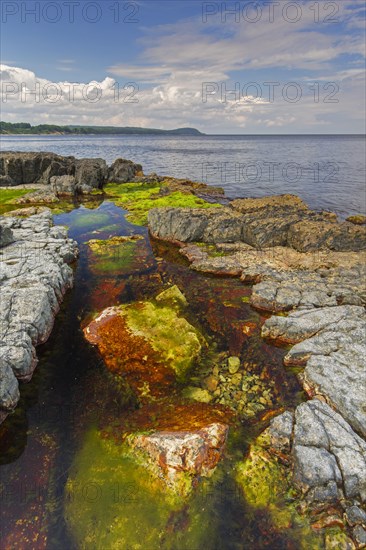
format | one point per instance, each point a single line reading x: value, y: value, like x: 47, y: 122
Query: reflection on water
x: 72, y: 393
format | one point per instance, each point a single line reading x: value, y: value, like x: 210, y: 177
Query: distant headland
x: 26, y: 128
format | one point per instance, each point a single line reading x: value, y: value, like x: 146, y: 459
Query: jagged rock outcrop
x: 34, y: 276
x: 122, y: 171
x: 260, y: 223
x: 66, y: 175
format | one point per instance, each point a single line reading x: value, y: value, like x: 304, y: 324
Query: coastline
x: 306, y: 268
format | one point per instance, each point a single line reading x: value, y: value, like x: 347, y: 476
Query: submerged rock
x: 119, y: 256
x: 146, y: 334
x: 183, y: 456
x: 34, y: 276
x: 114, y: 501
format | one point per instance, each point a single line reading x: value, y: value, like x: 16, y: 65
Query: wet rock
x: 146, y: 333
x: 359, y: 535
x: 211, y: 383
x: 34, y: 277
x: 172, y: 297
x: 233, y: 364
x: 197, y: 394
x: 194, y: 453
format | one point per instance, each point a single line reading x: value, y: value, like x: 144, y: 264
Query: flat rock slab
x: 331, y: 343
x: 34, y: 277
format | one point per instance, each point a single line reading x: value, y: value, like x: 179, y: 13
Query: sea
x: 326, y: 171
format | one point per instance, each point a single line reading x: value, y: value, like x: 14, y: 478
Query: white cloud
x: 178, y: 58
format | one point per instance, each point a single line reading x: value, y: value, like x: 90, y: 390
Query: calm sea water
x: 328, y: 172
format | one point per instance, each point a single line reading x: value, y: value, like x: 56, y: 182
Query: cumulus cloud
x: 164, y: 87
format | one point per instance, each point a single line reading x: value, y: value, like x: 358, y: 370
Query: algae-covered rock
x: 197, y: 394
x: 172, y: 297
x: 113, y: 502
x: 139, y: 198
x: 262, y: 477
x: 183, y: 456
x: 165, y: 335
x: 119, y: 255
x: 266, y: 485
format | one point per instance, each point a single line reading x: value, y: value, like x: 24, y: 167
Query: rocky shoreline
x: 34, y: 277
x: 308, y: 272
x: 310, y: 269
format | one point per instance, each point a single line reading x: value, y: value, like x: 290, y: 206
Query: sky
x: 265, y: 67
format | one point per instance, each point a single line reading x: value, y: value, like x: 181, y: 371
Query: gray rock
x: 6, y: 235
x: 123, y: 171
x: 309, y: 235
x: 356, y: 516
x: 63, y: 185
x: 268, y: 222
x: 359, y: 535
x: 33, y: 279
x: 9, y: 390
x: 280, y: 431
x: 91, y: 172
x: 18, y: 168
x: 327, y: 451
x: 24, y: 168
x: 332, y: 346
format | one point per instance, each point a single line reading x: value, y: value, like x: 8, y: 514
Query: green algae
x: 139, y: 198
x: 8, y: 198
x: 91, y: 219
x: 266, y: 484
x: 112, y: 501
x: 115, y: 255
x: 197, y: 394
x: 176, y: 341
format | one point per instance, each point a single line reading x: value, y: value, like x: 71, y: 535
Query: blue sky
x: 169, y: 49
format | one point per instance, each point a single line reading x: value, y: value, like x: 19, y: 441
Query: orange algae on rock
x: 127, y: 354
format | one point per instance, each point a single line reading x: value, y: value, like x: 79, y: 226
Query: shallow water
x: 328, y: 172
x: 71, y: 392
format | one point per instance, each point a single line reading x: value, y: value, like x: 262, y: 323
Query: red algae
x: 129, y: 355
